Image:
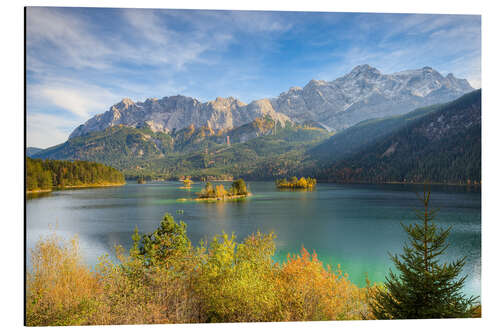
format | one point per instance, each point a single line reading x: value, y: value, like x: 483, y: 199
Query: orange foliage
x: 312, y: 292
x: 224, y: 281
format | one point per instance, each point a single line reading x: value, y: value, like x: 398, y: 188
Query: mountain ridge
x: 366, y: 93
x: 361, y: 94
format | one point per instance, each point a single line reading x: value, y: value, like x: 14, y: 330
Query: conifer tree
x: 168, y: 242
x: 425, y: 287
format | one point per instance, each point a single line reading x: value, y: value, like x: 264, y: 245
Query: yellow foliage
x: 237, y: 282
x: 187, y: 182
x: 225, y: 281
x: 294, y: 183
x: 60, y: 288
x: 220, y: 192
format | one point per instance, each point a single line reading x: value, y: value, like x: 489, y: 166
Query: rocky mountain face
x: 178, y: 112
x: 361, y: 94
x: 367, y: 93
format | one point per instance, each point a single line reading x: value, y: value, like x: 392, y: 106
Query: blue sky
x: 80, y: 61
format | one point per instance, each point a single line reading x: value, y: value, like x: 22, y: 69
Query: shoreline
x: 295, y: 188
x: 75, y: 187
x: 226, y: 198
x: 399, y: 183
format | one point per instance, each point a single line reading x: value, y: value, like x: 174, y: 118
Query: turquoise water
x: 351, y: 225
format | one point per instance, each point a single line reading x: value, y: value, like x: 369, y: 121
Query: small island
x: 295, y: 183
x: 213, y: 193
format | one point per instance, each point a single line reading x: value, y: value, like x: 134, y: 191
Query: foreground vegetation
x: 294, y: 183
x: 44, y: 175
x: 164, y: 279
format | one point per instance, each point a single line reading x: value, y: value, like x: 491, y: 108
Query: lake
x: 355, y: 226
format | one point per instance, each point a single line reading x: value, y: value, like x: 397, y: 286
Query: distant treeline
x: 47, y: 174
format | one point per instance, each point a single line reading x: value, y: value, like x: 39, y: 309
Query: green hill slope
x: 258, y: 149
x: 442, y: 146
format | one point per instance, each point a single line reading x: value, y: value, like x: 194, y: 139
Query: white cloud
x: 81, y: 99
x: 74, y: 102
x: 45, y: 130
x: 59, y: 38
x: 65, y: 38
x: 257, y: 22
x: 71, y: 100
x: 232, y: 21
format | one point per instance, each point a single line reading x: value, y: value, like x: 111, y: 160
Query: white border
x: 12, y: 85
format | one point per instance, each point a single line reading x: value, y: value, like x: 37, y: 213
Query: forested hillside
x: 49, y: 174
x: 443, y: 146
x: 261, y: 148
x: 364, y: 133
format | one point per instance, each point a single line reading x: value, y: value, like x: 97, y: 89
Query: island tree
x: 239, y: 187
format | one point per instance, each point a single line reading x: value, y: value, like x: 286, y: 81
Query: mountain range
x: 363, y: 93
x: 320, y: 129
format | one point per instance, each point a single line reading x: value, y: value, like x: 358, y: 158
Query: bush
x: 164, y: 279
x: 310, y: 291
x: 60, y: 289
x: 238, y: 281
